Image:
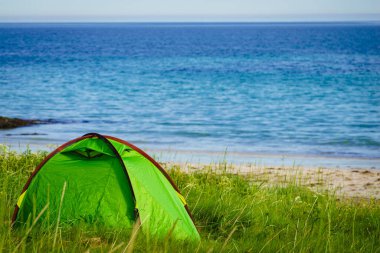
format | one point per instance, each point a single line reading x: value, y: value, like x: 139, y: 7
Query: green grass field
x: 234, y: 213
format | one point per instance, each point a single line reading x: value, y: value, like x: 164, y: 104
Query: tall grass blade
x: 59, y: 214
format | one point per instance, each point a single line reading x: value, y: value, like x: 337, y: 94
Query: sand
x: 344, y: 183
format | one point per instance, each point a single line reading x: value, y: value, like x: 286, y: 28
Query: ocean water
x: 276, y: 88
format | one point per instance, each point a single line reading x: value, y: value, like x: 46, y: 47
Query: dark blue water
x: 266, y: 88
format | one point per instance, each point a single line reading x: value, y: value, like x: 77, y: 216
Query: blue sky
x: 188, y: 10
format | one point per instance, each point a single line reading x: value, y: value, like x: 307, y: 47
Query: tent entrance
x: 87, y: 153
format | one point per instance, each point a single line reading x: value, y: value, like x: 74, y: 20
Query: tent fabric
x: 105, y: 180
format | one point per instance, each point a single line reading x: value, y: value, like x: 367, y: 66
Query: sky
x: 187, y: 10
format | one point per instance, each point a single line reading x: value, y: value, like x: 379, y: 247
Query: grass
x: 234, y: 213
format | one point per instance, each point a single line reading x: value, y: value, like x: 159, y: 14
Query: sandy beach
x: 343, y: 183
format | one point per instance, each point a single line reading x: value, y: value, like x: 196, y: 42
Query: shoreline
x: 265, y: 159
x: 351, y: 182
x: 233, y: 157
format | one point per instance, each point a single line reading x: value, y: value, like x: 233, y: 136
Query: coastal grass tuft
x: 234, y: 213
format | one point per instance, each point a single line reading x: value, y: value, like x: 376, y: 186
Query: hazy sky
x: 188, y: 10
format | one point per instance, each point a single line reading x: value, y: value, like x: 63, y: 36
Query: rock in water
x: 7, y: 123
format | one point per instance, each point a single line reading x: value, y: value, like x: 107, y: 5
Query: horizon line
x: 181, y: 22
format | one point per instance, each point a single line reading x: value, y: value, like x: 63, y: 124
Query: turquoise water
x: 300, y: 89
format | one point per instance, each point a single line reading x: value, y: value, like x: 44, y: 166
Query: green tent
x: 103, y: 179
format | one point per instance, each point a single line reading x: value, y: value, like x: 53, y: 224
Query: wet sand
x: 344, y: 183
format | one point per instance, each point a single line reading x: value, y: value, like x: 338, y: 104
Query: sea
x: 241, y: 91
